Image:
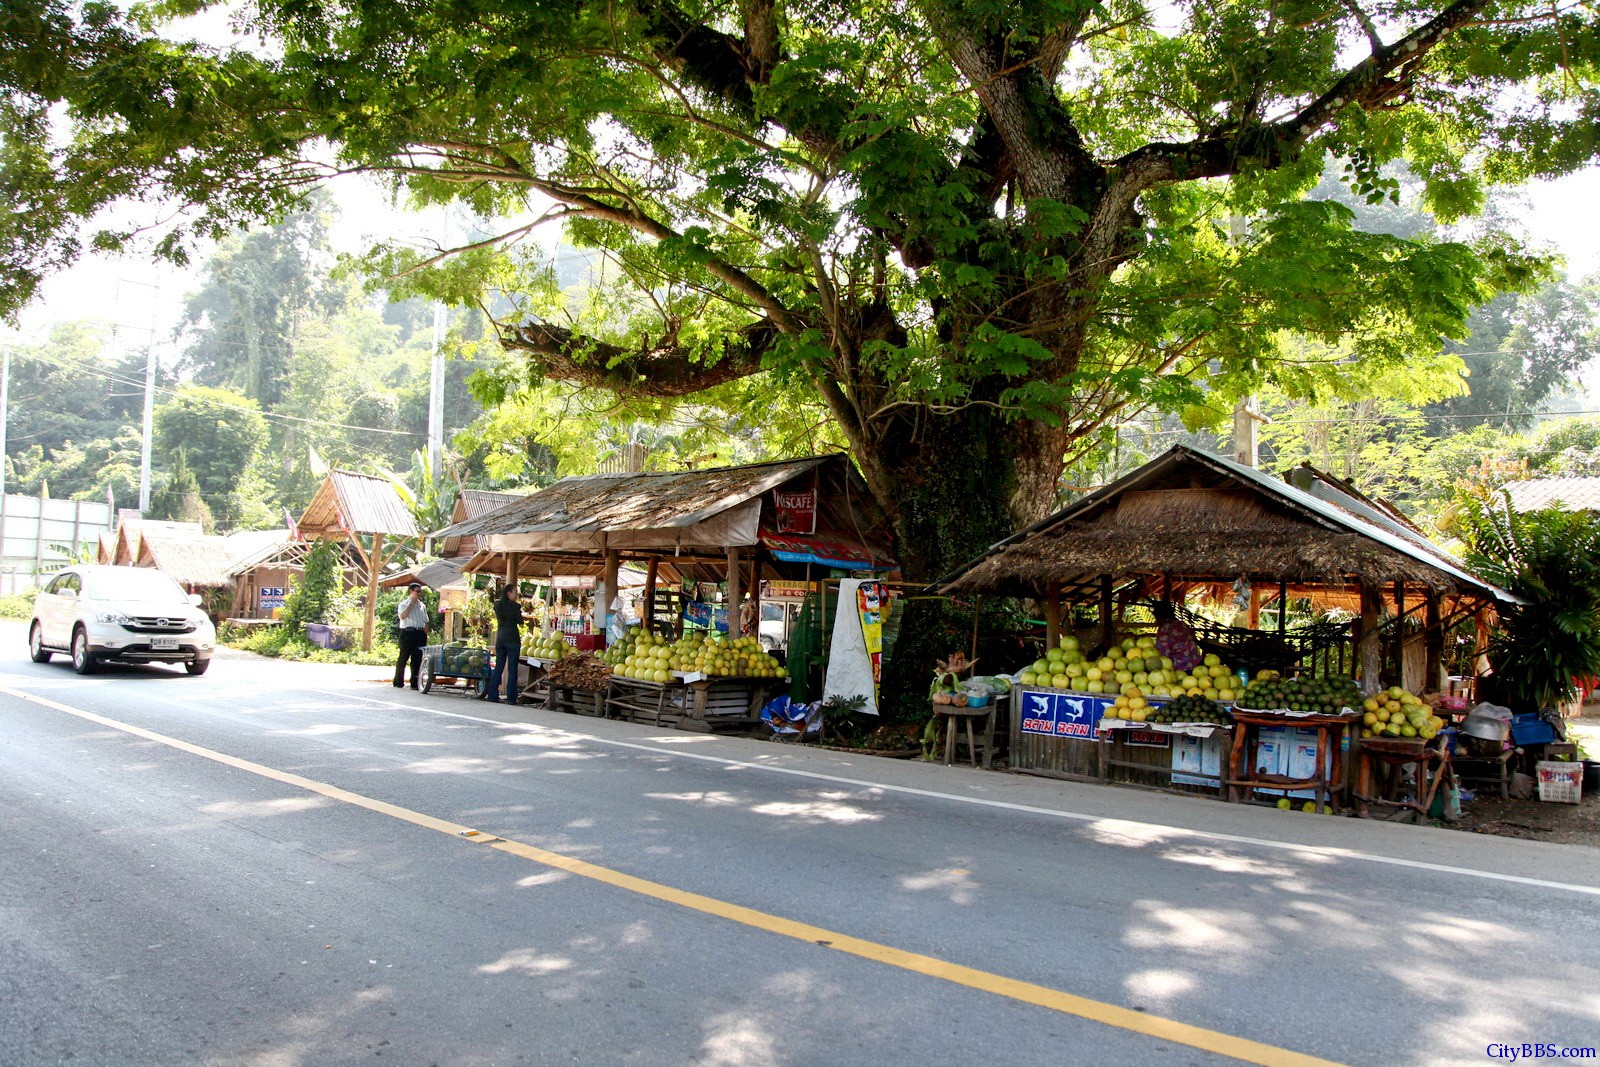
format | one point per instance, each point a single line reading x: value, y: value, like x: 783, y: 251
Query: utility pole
x: 149, y: 392
x: 441, y: 319
x: 5, y: 413
x: 436, y: 392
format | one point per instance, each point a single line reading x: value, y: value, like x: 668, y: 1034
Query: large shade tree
x: 978, y: 231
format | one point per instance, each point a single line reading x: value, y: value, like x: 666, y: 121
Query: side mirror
x: 73, y: 593
x: 194, y: 599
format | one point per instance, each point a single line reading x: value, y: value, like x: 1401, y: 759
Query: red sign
x: 796, y: 512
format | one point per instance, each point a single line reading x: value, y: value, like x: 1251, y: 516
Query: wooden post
x: 1052, y: 615
x: 513, y: 566
x: 1107, y: 627
x: 734, y: 594
x: 374, y: 569
x: 1283, y: 607
x: 755, y: 590
x: 1252, y: 618
x: 1368, y: 654
x: 1398, y: 649
x: 1433, y: 642
x: 652, y: 571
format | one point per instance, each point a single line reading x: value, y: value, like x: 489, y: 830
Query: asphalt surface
x: 158, y: 906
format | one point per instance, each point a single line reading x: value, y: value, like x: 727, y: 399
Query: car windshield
x: 133, y: 583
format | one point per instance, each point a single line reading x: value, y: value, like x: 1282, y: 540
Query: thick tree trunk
x: 970, y: 479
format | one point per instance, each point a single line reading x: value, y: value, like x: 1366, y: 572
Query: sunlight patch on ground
x: 547, y: 878
x: 818, y: 811
x: 317, y: 730
x: 254, y: 808
x: 1189, y: 930
x: 711, y: 798
x: 1157, y: 985
x: 527, y: 961
x: 1229, y: 863
x: 737, y: 1040
x: 955, y: 882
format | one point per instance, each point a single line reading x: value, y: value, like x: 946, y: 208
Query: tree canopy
x: 978, y: 232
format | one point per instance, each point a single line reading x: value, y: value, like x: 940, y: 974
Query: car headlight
x: 111, y: 617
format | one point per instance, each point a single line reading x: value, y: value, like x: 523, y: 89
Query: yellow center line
x: 1137, y: 1022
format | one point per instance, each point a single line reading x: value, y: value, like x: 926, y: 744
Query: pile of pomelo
x: 1132, y: 664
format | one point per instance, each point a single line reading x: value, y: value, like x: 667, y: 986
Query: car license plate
x: 163, y: 644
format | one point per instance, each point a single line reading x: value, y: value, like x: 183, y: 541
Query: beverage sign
x: 796, y: 512
x: 1070, y: 715
x: 272, y: 597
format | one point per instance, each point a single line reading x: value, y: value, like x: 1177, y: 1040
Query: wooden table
x: 1111, y: 736
x: 1432, y: 764
x: 1243, y: 780
x: 981, y: 753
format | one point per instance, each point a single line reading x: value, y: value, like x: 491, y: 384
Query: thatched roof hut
x: 1188, y: 517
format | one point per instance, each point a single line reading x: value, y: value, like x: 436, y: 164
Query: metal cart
x: 462, y: 668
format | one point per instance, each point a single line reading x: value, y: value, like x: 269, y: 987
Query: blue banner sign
x: 699, y: 613
x: 1059, y: 714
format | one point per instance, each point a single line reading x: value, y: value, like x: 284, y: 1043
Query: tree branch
x: 1374, y: 82
x: 666, y: 370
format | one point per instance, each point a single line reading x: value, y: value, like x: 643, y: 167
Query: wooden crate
x: 704, y: 705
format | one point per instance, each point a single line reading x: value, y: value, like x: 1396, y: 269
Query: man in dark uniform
x: 507, y: 644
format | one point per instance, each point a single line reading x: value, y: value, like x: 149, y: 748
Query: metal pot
x: 1486, y: 728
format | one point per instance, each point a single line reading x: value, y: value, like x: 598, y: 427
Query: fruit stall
x: 706, y: 542
x: 1155, y: 668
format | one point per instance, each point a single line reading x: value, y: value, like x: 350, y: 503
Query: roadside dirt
x: 1566, y: 824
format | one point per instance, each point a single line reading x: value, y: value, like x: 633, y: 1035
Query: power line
x: 114, y: 376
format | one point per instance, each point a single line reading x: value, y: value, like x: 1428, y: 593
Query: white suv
x: 132, y: 614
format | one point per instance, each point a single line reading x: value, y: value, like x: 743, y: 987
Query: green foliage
x: 829, y: 199
x: 220, y: 433
x: 281, y: 642
x: 179, y: 499
x: 1550, y: 559
x: 312, y: 595
x: 18, y: 606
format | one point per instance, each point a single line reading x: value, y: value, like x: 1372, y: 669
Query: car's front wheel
x: 36, y: 648
x: 197, y: 667
x: 82, y: 659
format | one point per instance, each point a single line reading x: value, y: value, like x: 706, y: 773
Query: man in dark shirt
x: 507, y: 644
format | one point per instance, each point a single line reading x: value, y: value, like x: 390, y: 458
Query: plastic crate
x: 1529, y: 729
x: 1560, y: 783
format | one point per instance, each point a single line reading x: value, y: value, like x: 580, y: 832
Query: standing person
x: 413, y: 635
x: 1175, y: 638
x: 507, y: 644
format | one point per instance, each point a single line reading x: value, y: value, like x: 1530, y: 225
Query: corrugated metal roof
x: 1336, y: 511
x: 1568, y: 494
x: 350, y: 503
x: 479, y: 502
x: 197, y: 561
x: 640, y: 501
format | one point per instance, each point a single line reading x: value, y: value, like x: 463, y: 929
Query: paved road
x: 294, y: 887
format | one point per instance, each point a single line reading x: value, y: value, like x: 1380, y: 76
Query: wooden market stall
x: 263, y: 576
x: 350, y: 507
x: 688, y: 532
x: 198, y: 563
x: 1191, y: 523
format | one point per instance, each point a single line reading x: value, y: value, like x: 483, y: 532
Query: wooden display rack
x: 703, y: 705
x: 1328, y: 782
x: 1432, y: 763
x: 1116, y: 752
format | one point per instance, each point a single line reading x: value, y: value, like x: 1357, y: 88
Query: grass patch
x: 280, y: 642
